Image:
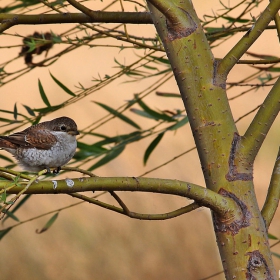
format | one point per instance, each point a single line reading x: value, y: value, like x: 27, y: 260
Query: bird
x: 45, y: 145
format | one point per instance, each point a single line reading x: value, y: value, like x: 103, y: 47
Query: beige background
x: 87, y: 242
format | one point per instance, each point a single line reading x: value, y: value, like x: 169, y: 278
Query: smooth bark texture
x: 243, y: 243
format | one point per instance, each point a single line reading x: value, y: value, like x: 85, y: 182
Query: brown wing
x: 40, y: 139
x: 6, y: 144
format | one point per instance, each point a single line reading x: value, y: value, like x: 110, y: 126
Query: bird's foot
x: 56, y: 171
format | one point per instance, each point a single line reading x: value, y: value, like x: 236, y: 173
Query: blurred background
x: 87, y: 242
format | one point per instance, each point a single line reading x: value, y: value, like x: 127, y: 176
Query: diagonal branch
x: 277, y: 22
x: 259, y: 127
x: 273, y: 194
x: 247, y: 40
x: 124, y: 210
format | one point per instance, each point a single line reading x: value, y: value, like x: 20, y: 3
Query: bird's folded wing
x: 40, y: 139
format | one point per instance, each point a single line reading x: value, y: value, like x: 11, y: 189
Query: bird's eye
x: 63, y: 127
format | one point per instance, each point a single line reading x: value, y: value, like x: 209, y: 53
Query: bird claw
x: 56, y: 171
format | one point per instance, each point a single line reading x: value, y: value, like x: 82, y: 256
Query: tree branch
x: 259, y: 127
x: 8, y: 20
x: 247, y: 40
x: 125, y: 211
x: 175, y: 15
x: 273, y: 194
x: 204, y: 197
x: 277, y: 23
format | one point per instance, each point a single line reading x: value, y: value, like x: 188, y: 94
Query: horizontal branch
x: 97, y: 16
x: 204, y: 197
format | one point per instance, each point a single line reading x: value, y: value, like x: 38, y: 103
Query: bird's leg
x: 48, y: 170
x: 56, y: 171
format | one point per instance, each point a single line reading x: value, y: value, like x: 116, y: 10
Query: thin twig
x: 139, y: 216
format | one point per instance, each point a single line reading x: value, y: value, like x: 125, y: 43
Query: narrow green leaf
x: 150, y: 67
x: 88, y: 150
x: 232, y: 19
x: 5, y: 120
x: 119, y: 138
x: 29, y: 110
x: 270, y: 236
x: 6, y: 158
x: 116, y: 151
x: 180, y: 123
x: 142, y: 113
x: 3, y: 196
x: 166, y: 94
x: 161, y: 59
x: 118, y: 115
x: 95, y: 148
x: 66, y: 89
x: 43, y: 95
x: 153, y: 113
x: 276, y: 255
x: 48, y: 224
x: 214, y: 29
x: 151, y: 147
x: 4, y: 232
x: 48, y: 109
x: 21, y: 202
x: 11, y: 215
x: 273, y: 69
x: 15, y: 111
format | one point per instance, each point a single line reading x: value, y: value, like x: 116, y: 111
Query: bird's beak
x: 73, y: 132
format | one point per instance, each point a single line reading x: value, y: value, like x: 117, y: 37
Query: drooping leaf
x: 179, y: 124
x: 262, y: 56
x: 160, y: 59
x: 86, y: 150
x: 5, y: 158
x: 15, y: 111
x: 116, y: 151
x: 11, y: 215
x: 48, y: 109
x: 270, y: 236
x: 273, y: 69
x: 66, y: 89
x: 123, y: 138
x: 48, y: 224
x: 5, y: 120
x: 3, y: 232
x: 43, y: 94
x: 142, y: 113
x: 276, y: 255
x: 21, y: 202
x: 167, y: 94
x: 232, y: 19
x: 118, y: 115
x: 3, y: 196
x: 29, y: 110
x: 151, y: 147
x: 153, y: 113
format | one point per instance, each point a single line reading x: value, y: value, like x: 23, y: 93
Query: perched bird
x: 45, y: 145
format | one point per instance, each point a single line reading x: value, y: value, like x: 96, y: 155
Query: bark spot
x: 233, y: 174
x: 177, y: 31
x: 257, y: 267
x: 223, y: 225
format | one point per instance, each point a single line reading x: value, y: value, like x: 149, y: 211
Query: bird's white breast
x: 59, y: 154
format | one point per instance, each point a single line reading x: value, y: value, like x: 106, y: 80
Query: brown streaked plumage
x: 48, y: 144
